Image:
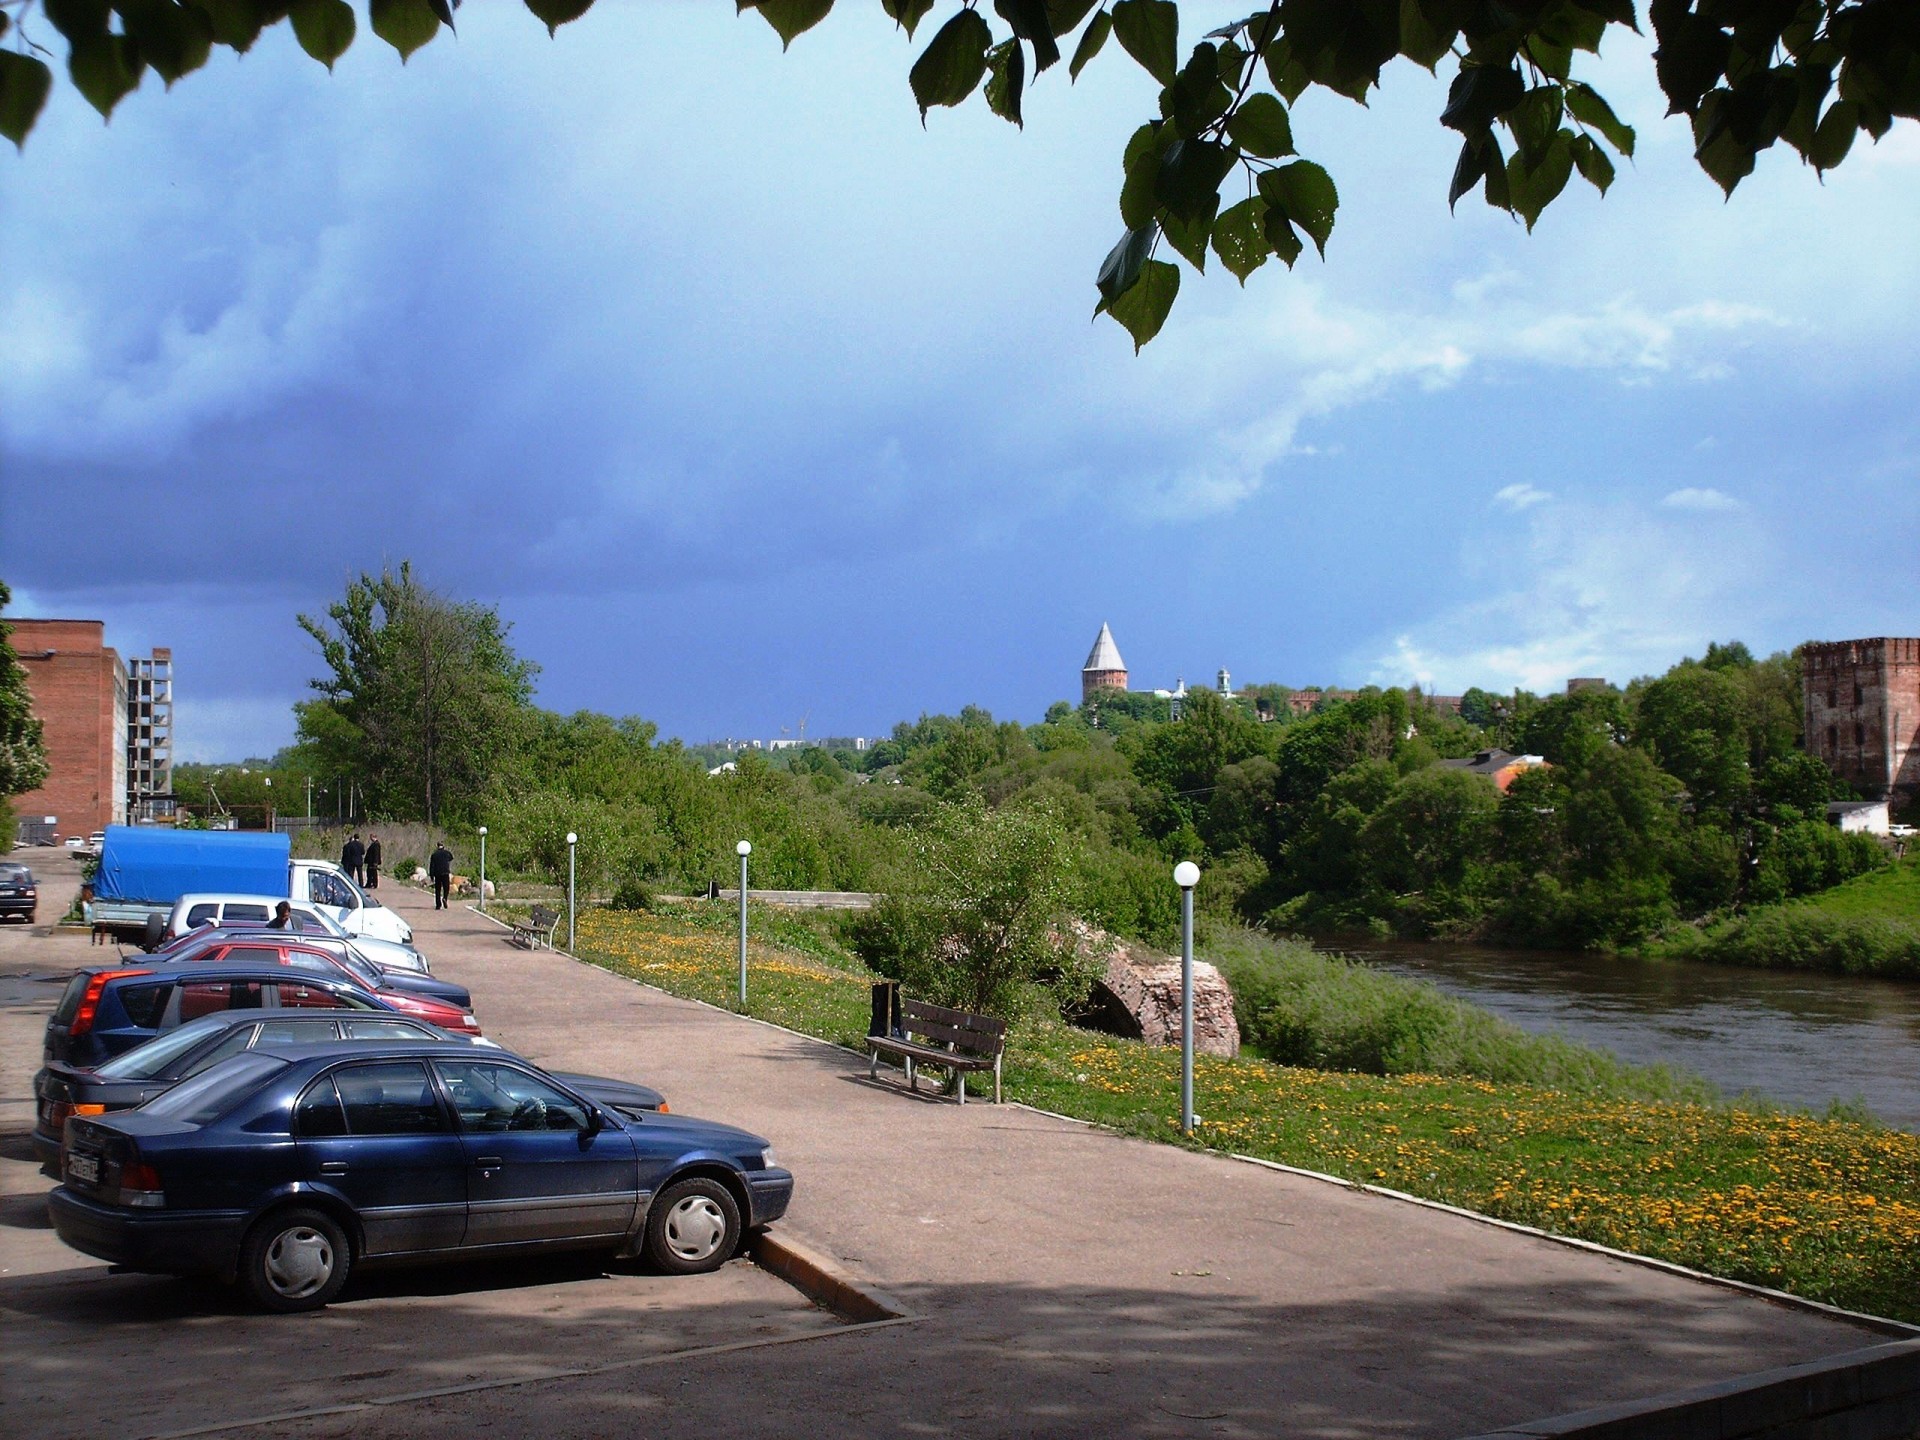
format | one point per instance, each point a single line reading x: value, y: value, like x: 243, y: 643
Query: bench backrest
x: 543, y: 918
x: 971, y: 1034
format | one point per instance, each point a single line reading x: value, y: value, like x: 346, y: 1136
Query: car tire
x: 295, y: 1260
x: 693, y: 1227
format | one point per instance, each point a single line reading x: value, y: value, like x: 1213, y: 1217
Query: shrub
x: 632, y: 893
x: 406, y: 869
x: 1301, y: 1007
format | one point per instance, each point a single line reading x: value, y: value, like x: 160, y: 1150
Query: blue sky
x: 747, y: 400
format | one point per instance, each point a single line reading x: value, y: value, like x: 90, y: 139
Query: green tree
x: 975, y: 917
x: 23, y: 746
x: 424, y: 701
x: 1571, y: 729
x: 1216, y: 169
x: 1694, y: 722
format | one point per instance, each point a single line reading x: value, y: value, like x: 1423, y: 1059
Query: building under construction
x: 150, y: 736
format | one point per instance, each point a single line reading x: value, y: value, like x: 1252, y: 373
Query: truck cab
x: 332, y: 890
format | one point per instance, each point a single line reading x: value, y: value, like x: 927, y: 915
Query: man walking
x: 352, y: 856
x: 373, y: 863
x: 440, y: 869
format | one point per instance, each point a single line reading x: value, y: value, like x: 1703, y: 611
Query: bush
x: 1298, y: 1006
x: 1803, y: 937
x: 406, y: 869
x: 632, y: 893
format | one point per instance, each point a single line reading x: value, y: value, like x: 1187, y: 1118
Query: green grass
x: 1825, y: 1208
x: 1868, y: 926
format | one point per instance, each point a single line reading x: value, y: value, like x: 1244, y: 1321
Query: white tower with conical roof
x: 1104, y: 670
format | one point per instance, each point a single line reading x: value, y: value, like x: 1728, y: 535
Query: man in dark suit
x: 352, y: 856
x: 440, y: 870
x: 373, y: 863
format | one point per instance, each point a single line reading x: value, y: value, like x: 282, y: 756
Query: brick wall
x: 79, y: 692
x: 1863, y: 712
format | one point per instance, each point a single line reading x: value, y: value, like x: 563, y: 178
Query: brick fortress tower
x: 1104, y: 670
x: 1863, y: 713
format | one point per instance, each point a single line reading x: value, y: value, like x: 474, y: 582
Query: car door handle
x: 333, y: 1167
x: 488, y: 1162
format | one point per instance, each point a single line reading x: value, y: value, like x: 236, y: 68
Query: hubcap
x: 696, y: 1227
x: 299, y: 1262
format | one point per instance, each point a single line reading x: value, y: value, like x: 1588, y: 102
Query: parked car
x: 18, y: 893
x: 107, y: 1009
x: 149, y: 1070
x: 288, y: 1167
x: 314, y: 952
x: 192, y: 912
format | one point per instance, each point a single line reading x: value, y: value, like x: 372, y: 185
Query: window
x: 369, y: 1028
x: 249, y: 954
x: 214, y: 1092
x: 246, y: 912
x: 1833, y: 698
x: 294, y: 1032
x: 205, y: 997
x: 1858, y: 695
x: 144, y: 1062
x: 145, y: 1004
x: 234, y: 1042
x: 491, y: 1096
x: 1859, y: 734
x: 201, y: 914
x: 319, y: 1114
x: 324, y: 888
x: 389, y: 1098
x: 1833, y: 737
x: 296, y: 996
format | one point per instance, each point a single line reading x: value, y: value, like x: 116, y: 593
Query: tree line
x: 1676, y: 798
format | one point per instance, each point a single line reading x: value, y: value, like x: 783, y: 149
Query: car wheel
x: 693, y: 1227
x: 295, y: 1260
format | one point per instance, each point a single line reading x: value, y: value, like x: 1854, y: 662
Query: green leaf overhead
x: 793, y: 17
x: 24, y: 83
x: 1031, y: 22
x: 1304, y: 193
x: 1123, y: 264
x: 950, y: 68
x: 1239, y: 238
x: 1149, y: 30
x: 555, y: 13
x: 1143, y: 308
x: 1585, y: 104
x: 1091, y: 39
x: 324, y: 28
x: 404, y: 24
x: 907, y: 14
x: 1261, y: 127
x: 174, y: 39
x: 236, y: 23
x: 1006, y: 79
x: 105, y: 68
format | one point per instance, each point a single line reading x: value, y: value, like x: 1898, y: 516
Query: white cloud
x: 1521, y: 496
x: 1588, y: 590
x: 1692, y: 498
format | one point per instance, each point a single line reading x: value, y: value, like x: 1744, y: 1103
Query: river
x: 1802, y: 1038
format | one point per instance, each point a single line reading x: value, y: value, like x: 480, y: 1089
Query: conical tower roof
x: 1105, y: 655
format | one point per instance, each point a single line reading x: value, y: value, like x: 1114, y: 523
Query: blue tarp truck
x: 144, y: 869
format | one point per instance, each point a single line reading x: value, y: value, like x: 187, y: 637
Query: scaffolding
x: 150, y: 737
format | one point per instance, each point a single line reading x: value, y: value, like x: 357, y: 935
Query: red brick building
x: 1104, y: 670
x: 1863, y: 713
x: 79, y: 689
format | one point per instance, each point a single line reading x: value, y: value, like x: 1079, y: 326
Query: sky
x: 750, y: 403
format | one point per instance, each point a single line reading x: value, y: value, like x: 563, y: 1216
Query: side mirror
x: 596, y: 1120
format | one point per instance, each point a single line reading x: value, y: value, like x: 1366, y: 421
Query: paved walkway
x: 1074, y: 1282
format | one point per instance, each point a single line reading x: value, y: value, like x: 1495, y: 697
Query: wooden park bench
x: 919, y: 1033
x: 536, y: 930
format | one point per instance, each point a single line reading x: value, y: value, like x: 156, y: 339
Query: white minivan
x: 191, y: 911
x: 331, y: 888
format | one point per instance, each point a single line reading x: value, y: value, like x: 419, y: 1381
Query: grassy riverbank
x: 1868, y: 926
x: 1824, y: 1208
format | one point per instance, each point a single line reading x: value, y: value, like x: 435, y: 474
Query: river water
x: 1798, y: 1037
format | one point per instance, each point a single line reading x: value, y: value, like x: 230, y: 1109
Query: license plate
x: 84, y: 1167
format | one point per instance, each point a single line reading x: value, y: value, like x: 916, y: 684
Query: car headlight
x: 767, y: 1162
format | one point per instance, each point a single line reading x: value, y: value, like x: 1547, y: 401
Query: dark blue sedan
x: 287, y: 1166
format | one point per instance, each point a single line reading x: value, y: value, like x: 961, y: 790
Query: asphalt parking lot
x: 88, y: 1352
x: 1061, y: 1280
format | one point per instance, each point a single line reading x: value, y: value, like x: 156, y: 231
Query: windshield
x: 143, y: 1062
x: 212, y: 1093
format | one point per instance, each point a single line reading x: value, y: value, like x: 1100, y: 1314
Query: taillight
x: 89, y: 1109
x: 140, y: 1185
x: 664, y: 1107
x: 57, y: 1113
x: 90, y: 1002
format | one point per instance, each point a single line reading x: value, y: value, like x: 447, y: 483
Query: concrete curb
x: 1870, y: 1394
x: 824, y: 1282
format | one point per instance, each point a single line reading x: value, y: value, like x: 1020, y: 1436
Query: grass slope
x: 1824, y: 1208
x: 1868, y: 926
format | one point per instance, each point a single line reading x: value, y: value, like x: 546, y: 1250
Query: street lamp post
x: 309, y: 801
x: 572, y: 841
x: 1186, y: 875
x: 483, y: 869
x: 269, y: 784
x: 743, y: 849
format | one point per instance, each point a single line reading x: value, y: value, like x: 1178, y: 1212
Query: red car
x: 435, y: 1001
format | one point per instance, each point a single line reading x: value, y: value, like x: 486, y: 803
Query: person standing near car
x: 373, y: 862
x: 352, y: 856
x: 282, y: 917
x: 440, y: 870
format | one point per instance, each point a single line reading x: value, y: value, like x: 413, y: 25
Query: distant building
x: 1104, y: 670
x: 79, y: 689
x: 1863, y: 817
x: 150, y: 736
x: 1586, y: 682
x: 1225, y: 684
x: 1862, y: 700
x: 1500, y: 766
